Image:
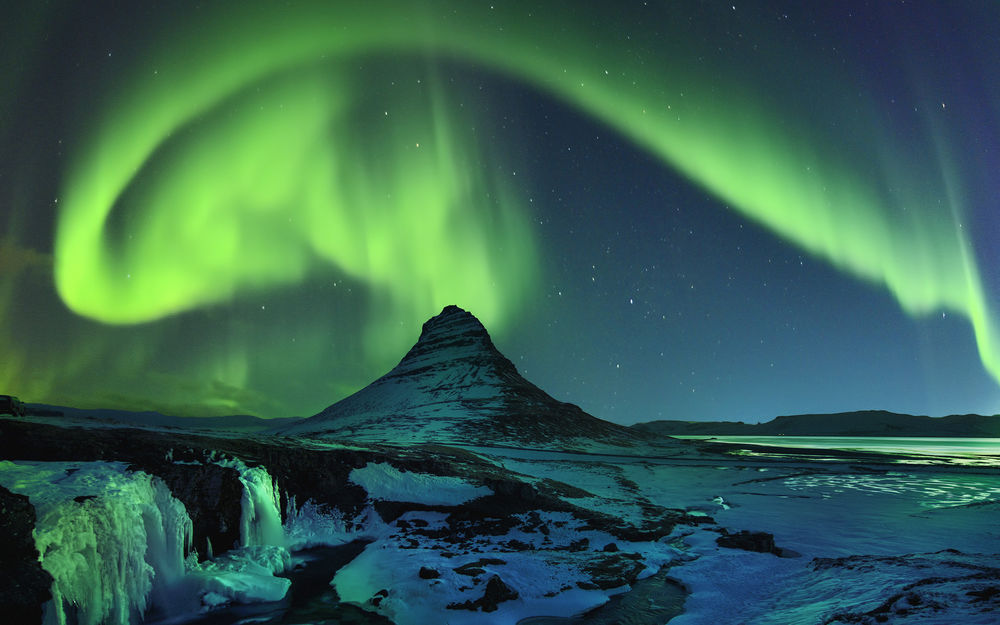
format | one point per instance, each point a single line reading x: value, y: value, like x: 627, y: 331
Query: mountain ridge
x: 856, y: 423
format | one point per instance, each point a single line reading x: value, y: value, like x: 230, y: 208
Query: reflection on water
x: 652, y: 601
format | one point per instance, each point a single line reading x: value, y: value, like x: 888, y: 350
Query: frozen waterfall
x: 246, y: 574
x: 113, y: 540
x: 260, y: 522
x: 116, y: 542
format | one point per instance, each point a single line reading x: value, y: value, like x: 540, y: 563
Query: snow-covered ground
x: 876, y: 545
x: 857, y: 542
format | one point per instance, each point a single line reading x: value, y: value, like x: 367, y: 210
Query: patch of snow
x: 548, y: 577
x: 415, y: 601
x: 385, y: 482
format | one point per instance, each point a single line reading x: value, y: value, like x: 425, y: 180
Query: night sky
x: 686, y: 210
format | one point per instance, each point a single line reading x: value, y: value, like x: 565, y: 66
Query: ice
x: 244, y: 575
x: 116, y: 543
x: 260, y: 521
x: 247, y: 574
x: 110, y: 538
x: 318, y: 524
x: 386, y: 482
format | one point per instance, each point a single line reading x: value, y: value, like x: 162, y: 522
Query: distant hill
x: 242, y: 423
x: 860, y: 423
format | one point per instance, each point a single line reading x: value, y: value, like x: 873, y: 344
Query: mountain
x: 860, y: 423
x: 455, y: 386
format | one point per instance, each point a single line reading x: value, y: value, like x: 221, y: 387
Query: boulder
x: 428, y: 573
x: 496, y: 593
x: 760, y: 542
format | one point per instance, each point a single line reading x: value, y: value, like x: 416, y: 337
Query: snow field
x: 545, y: 576
x: 830, y: 512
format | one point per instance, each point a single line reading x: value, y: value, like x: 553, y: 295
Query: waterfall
x: 260, y: 521
x: 111, y: 539
x: 116, y: 542
x: 246, y: 574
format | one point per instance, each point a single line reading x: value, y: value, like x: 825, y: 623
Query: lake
x: 973, y: 449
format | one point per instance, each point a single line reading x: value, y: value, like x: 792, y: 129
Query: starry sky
x: 676, y: 210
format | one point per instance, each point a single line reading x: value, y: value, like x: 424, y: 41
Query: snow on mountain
x: 455, y: 386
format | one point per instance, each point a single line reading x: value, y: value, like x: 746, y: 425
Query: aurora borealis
x: 679, y: 211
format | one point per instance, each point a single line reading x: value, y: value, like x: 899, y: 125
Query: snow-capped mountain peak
x: 456, y: 350
x: 455, y: 386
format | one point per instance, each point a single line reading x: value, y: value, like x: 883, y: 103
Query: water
x: 963, y: 450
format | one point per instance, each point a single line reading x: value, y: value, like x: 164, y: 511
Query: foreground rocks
x: 496, y: 592
x: 759, y: 542
x: 940, y: 583
x: 24, y: 585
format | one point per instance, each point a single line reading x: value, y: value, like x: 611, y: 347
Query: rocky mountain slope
x: 455, y: 386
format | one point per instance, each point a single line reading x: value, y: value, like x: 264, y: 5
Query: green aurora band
x: 238, y: 166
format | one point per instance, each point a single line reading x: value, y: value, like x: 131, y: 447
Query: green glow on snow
x: 236, y: 167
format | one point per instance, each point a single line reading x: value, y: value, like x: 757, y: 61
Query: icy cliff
x: 117, y: 543
x: 112, y: 539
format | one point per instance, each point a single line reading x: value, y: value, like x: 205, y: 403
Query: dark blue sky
x: 662, y: 302
x: 632, y: 269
